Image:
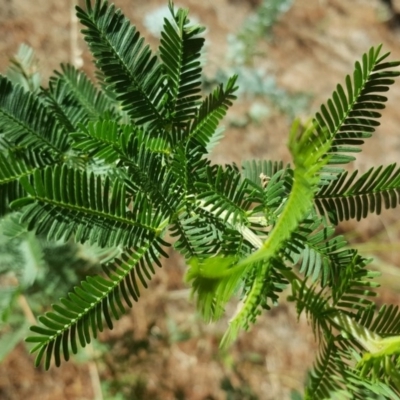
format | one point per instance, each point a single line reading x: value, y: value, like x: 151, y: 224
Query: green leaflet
x: 23, y: 69
x: 213, y: 282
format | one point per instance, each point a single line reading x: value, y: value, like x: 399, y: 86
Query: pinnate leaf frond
x: 350, y: 116
x: 323, y: 255
x: 348, y: 197
x: 211, y: 112
x: 11, y: 168
x: 134, y: 73
x: 25, y: 121
x: 64, y: 201
x: 103, y: 139
x: 226, y: 192
x: 81, y: 316
x: 73, y: 98
x: 180, y: 51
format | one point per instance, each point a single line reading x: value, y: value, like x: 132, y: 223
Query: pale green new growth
x: 124, y: 165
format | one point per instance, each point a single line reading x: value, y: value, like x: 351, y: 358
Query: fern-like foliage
x: 125, y: 166
x: 26, y: 122
x: 127, y: 65
x: 350, y: 116
x: 180, y: 55
x: 348, y: 197
x: 73, y: 98
x: 81, y: 315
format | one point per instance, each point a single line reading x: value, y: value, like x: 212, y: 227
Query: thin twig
x: 76, y: 52
x: 26, y: 309
x: 94, y: 375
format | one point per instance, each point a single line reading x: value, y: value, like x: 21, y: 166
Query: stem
x: 247, y: 233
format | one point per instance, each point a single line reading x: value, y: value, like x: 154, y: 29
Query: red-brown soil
x: 161, y: 349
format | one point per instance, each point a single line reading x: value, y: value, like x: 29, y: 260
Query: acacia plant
x: 124, y: 164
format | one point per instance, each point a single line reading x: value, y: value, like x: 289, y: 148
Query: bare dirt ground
x: 161, y: 350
